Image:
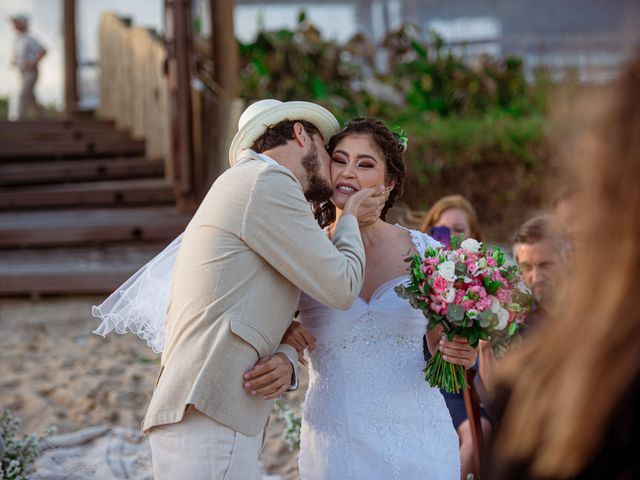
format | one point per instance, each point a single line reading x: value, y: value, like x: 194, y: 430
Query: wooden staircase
x: 81, y: 208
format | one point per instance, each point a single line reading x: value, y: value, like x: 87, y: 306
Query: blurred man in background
x: 27, y: 54
x: 539, y: 253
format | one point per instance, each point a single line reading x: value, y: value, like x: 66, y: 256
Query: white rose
x: 450, y: 295
x: 471, y: 245
x: 503, y: 319
x: 447, y: 270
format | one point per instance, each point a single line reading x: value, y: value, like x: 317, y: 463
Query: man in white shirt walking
x: 27, y: 53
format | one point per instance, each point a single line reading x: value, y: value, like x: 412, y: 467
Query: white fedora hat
x: 263, y: 114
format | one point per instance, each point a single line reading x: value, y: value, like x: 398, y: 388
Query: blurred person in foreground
x: 26, y: 56
x: 455, y: 213
x: 572, y: 392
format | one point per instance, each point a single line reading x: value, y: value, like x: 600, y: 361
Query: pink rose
x: 440, y: 284
x: 498, y: 277
x: 478, y: 290
x: 504, y: 295
x: 483, y: 304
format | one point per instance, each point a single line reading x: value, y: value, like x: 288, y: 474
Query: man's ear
x: 300, y: 134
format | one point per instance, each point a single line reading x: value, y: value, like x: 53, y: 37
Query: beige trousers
x: 26, y: 98
x: 199, y: 448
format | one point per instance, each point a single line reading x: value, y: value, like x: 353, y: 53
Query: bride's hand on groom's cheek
x: 367, y: 204
x: 270, y: 377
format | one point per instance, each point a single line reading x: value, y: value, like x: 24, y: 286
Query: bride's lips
x: 345, y: 188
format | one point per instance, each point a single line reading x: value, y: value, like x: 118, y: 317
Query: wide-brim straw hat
x: 261, y: 115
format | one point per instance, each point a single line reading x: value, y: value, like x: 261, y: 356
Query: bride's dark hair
x: 391, y: 150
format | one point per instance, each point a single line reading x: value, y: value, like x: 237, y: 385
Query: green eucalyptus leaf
x: 513, y: 329
x: 455, y: 314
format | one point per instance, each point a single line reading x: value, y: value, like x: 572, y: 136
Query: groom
x: 249, y: 250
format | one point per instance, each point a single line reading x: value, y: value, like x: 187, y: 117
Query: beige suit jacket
x: 249, y: 250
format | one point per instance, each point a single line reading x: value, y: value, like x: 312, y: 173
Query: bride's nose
x: 349, y: 171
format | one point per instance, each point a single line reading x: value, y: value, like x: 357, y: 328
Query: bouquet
x: 471, y: 293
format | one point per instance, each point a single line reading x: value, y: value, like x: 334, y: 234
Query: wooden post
x: 70, y: 57
x: 472, y: 406
x: 179, y: 43
x: 224, y: 46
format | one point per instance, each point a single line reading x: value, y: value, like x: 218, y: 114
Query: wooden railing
x: 133, y: 85
x: 215, y: 120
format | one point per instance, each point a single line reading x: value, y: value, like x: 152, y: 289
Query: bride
x: 368, y: 413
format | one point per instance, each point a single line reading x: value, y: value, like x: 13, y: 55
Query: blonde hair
x: 450, y: 202
x: 567, y: 380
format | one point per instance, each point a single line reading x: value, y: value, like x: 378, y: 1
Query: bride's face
x: 356, y: 163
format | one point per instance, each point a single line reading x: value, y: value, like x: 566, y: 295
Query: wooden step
x: 56, y: 228
x: 57, y: 125
x: 43, y: 172
x: 65, y: 136
x: 75, y: 148
x: 72, y: 270
x: 108, y: 193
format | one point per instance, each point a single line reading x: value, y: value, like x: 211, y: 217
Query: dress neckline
x: 378, y: 291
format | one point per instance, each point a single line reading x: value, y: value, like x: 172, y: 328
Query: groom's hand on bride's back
x: 367, y: 204
x: 270, y: 377
x: 299, y: 338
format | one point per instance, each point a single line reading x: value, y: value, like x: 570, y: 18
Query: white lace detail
x: 139, y: 305
x: 369, y: 413
x: 421, y: 240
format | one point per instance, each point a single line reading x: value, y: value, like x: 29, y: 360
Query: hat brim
x: 319, y: 116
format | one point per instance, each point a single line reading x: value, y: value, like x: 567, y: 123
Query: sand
x: 53, y: 371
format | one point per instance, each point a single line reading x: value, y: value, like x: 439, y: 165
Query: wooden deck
x: 81, y: 207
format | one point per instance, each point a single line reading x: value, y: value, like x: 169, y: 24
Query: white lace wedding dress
x: 369, y: 413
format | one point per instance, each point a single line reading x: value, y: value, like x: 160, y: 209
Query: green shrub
x: 469, y: 126
x: 4, y: 108
x: 18, y: 456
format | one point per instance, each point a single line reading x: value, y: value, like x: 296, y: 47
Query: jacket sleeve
x: 279, y: 226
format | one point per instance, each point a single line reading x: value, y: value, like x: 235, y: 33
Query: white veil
x: 139, y: 305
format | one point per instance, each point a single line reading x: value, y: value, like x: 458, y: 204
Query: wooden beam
x: 224, y: 46
x: 70, y: 57
x: 179, y: 42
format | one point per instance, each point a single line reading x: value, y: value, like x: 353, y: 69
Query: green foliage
x: 4, y: 108
x: 293, y: 422
x: 18, y: 456
x: 456, y: 115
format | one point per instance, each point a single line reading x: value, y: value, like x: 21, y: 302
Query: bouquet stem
x: 445, y: 375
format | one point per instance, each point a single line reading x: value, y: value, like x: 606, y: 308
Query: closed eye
x: 339, y: 160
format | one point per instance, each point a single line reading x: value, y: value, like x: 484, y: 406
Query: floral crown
x: 400, y: 134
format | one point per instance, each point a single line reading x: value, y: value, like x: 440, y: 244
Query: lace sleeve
x: 139, y: 305
x: 421, y: 240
